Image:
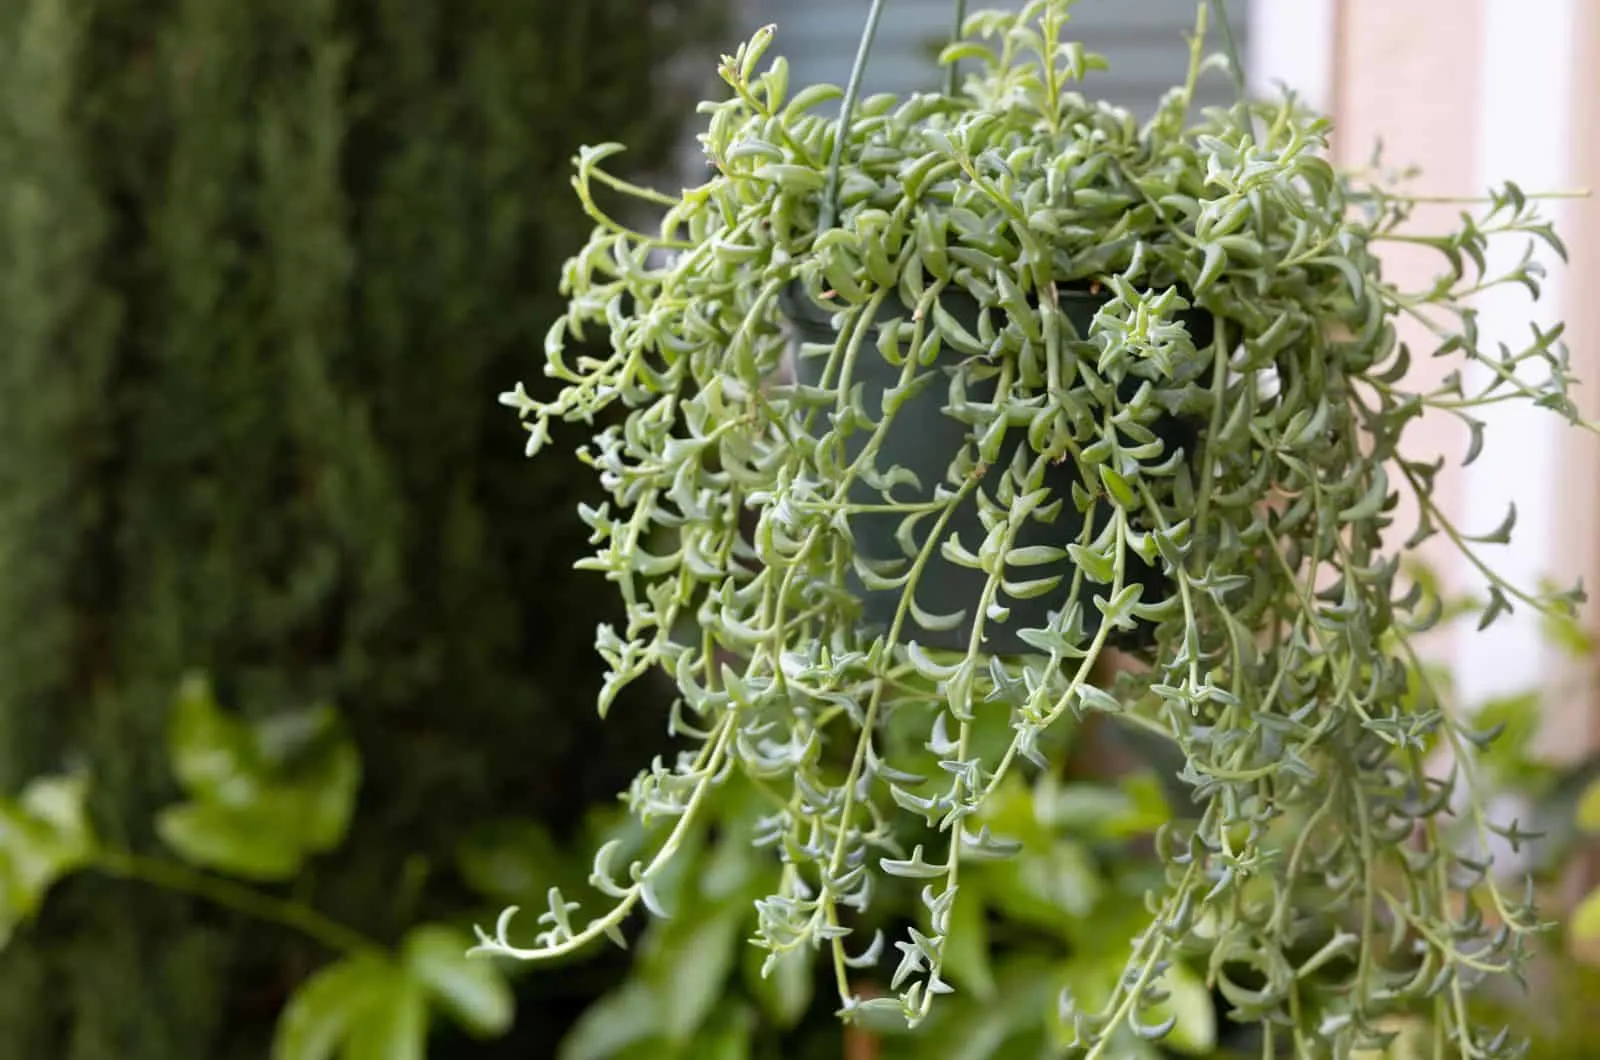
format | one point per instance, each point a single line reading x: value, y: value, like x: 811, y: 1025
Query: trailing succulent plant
x: 929, y: 408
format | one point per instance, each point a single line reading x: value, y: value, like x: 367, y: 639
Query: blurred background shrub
x: 264, y: 265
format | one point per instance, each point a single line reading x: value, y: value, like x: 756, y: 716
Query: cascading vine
x: 1174, y: 338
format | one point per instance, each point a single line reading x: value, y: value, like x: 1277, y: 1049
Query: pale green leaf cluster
x: 261, y: 798
x: 44, y: 835
x: 372, y: 1005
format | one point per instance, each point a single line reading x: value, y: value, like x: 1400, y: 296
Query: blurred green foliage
x: 264, y: 265
x: 262, y: 797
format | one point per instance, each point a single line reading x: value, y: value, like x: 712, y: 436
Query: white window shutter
x: 1144, y: 40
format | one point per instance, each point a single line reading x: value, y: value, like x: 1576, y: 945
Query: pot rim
x: 797, y: 305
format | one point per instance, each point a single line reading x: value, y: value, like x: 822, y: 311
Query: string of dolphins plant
x: 928, y: 407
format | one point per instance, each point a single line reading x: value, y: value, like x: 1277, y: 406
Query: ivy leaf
x: 393, y: 1024
x: 688, y: 966
x: 328, y: 796
x: 1586, y: 918
x: 289, y: 738
x: 1589, y: 808
x: 785, y: 991
x: 472, y: 991
x: 733, y: 861
x: 985, y: 1029
x: 1569, y: 634
x: 966, y: 944
x: 321, y: 1011
x: 44, y: 835
x: 626, y: 1017
x: 1054, y: 886
x: 729, y: 1034
x: 213, y: 755
x: 59, y: 803
x: 253, y: 843
x: 978, y: 1032
x: 1147, y: 807
x: 262, y: 796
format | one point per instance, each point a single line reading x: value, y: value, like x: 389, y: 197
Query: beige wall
x: 1391, y: 61
x: 1408, y: 73
x: 1579, y: 535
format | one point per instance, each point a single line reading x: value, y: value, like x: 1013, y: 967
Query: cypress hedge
x: 264, y: 266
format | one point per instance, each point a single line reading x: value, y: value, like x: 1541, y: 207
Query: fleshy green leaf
x: 471, y: 990
x: 1189, y: 1003
x: 1097, y: 566
x: 255, y: 843
x: 1514, y: 720
x: 1117, y: 487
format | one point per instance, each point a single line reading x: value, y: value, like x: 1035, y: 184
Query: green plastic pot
x: 925, y: 440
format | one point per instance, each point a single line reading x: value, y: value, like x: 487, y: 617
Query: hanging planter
x: 927, y: 438
x: 928, y: 406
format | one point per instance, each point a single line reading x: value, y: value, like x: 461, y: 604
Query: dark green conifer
x: 264, y: 266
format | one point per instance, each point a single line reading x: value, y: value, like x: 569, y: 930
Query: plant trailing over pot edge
x: 924, y: 441
x: 970, y: 350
